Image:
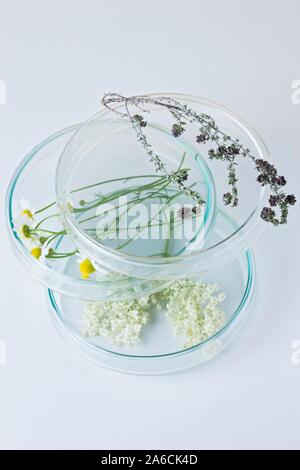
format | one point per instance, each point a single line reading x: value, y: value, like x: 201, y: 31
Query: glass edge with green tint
x: 243, y: 304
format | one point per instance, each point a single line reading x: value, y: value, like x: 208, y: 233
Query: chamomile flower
x: 24, y: 230
x: 39, y: 252
x: 26, y: 209
x: 23, y: 226
x: 24, y: 221
x: 86, y: 266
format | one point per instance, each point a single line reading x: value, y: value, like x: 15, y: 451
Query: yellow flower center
x: 25, y: 231
x: 36, y: 252
x: 27, y: 212
x: 86, y: 268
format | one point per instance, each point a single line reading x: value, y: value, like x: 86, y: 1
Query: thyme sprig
x: 222, y: 147
x: 178, y: 177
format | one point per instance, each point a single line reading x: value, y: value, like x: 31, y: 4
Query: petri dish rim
x: 246, y: 299
x: 218, y: 248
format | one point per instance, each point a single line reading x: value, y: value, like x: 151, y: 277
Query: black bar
x: 136, y: 459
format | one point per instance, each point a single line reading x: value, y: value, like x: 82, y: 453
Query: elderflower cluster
x: 120, y: 322
x: 192, y: 309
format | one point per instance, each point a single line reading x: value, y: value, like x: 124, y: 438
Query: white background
x: 57, y: 58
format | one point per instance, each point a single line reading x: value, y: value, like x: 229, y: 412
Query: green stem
x: 127, y: 178
x: 44, y: 220
x: 125, y: 212
x: 99, y: 184
x: 57, y: 255
x: 117, y: 194
x: 149, y: 221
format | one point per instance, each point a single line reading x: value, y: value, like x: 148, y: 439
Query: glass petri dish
x: 159, y: 351
x: 105, y: 147
x: 34, y: 180
x: 215, y: 254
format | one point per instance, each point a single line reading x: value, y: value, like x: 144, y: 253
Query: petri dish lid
x: 106, y: 187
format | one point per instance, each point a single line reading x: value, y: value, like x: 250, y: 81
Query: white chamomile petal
x: 45, y: 251
x: 24, y: 203
x: 80, y: 258
x: 25, y: 206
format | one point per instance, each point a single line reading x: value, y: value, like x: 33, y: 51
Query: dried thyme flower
x: 225, y: 148
x: 178, y: 129
x: 184, y: 212
x: 268, y: 177
x: 139, y: 120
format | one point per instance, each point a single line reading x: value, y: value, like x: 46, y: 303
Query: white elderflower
x: 120, y: 322
x: 191, y: 307
x: 193, y: 311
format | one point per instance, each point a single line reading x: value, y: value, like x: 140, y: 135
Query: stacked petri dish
x: 98, y: 198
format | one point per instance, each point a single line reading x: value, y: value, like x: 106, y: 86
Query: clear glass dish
x: 67, y: 166
x: 34, y: 180
x: 159, y: 351
x: 109, y: 138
